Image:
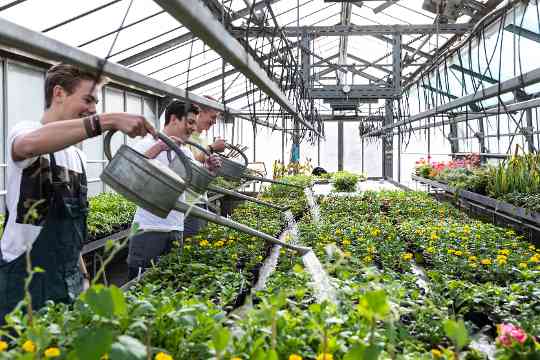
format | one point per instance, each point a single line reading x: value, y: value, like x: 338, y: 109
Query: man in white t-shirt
x: 46, y: 189
x: 207, y: 118
x: 156, y: 234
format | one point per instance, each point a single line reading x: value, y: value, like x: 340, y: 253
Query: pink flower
x: 508, y: 333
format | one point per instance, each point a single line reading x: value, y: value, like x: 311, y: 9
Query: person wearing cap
x: 207, y: 118
x: 46, y: 198
x: 156, y: 235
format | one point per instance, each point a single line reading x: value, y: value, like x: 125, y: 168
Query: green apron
x: 56, y: 250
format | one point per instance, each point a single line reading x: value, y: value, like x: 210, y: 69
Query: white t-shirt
x: 29, y: 181
x: 147, y: 220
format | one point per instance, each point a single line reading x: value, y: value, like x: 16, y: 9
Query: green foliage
x: 457, y: 332
x: 2, y: 219
x: 345, y: 181
x: 109, y: 212
x: 519, y: 174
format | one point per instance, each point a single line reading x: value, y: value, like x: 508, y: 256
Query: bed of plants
x: 187, y: 306
x: 345, y: 181
x: 108, y: 213
x: 516, y: 180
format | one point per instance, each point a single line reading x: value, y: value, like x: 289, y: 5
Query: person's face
x: 82, y: 102
x: 183, y: 128
x: 207, y: 119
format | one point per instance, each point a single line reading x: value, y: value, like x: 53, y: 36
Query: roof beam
x: 154, y: 50
x: 345, y: 19
x: 359, y: 30
x: 376, y: 66
x: 234, y: 71
x: 404, y: 46
x: 384, y: 6
x: 198, y: 18
x: 35, y: 43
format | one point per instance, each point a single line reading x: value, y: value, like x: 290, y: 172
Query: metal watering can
x: 156, y: 188
x: 234, y: 170
x: 201, y: 178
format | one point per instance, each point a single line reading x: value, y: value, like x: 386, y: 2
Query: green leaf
x: 272, y: 355
x: 128, y: 348
x: 374, y: 305
x: 363, y: 352
x: 457, y: 332
x: 220, y: 339
x: 106, y: 301
x: 92, y: 343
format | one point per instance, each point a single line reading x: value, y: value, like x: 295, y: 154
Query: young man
x: 46, y: 189
x: 207, y: 119
x: 157, y: 234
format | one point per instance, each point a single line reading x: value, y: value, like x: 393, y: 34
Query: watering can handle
x: 230, y: 146
x: 199, y: 146
x: 167, y: 140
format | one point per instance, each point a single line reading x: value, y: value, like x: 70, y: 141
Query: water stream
x: 313, y: 206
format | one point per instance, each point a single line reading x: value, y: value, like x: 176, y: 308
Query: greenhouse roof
x: 142, y: 36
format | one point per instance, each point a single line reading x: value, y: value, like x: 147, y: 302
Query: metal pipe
x: 519, y: 81
x: 238, y: 195
x: 208, y: 216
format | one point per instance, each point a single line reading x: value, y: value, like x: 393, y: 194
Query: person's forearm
x: 53, y: 137
x: 82, y: 265
x: 154, y: 151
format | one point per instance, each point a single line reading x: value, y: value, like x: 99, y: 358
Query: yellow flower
x: 407, y: 256
x: 163, y: 356
x: 430, y: 250
x: 502, y: 261
x: 295, y: 357
x: 436, y: 353
x: 434, y: 236
x: 338, y: 232
x: 3, y: 346
x: 325, y: 356
x: 522, y: 265
x: 346, y: 242
x: 501, y: 257
x: 52, y: 352
x: 450, y: 251
x: 485, y: 261
x: 236, y: 358
x: 472, y: 258
x: 204, y: 242
x: 473, y: 265
x: 531, y: 247
x: 505, y: 252
x: 347, y: 254
x: 535, y: 258
x: 220, y: 243
x: 458, y: 253
x: 104, y: 357
x: 376, y: 232
x: 29, y: 346
x: 367, y: 259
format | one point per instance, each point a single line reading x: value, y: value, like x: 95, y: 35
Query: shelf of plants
x: 511, y: 188
x: 481, y: 280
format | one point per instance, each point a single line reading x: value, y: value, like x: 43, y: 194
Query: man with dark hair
x: 46, y: 190
x: 207, y: 118
x: 156, y: 234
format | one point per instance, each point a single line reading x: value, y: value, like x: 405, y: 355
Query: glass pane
x: 329, y: 147
x: 352, y: 147
x: 25, y: 94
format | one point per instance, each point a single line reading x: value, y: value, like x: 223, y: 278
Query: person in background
x: 207, y: 118
x: 156, y: 235
x: 47, y: 189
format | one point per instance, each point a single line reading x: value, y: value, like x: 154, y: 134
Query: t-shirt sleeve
x: 19, y: 130
x: 143, y: 145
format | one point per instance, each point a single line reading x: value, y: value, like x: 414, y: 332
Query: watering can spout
x: 238, y: 195
x: 208, y: 216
